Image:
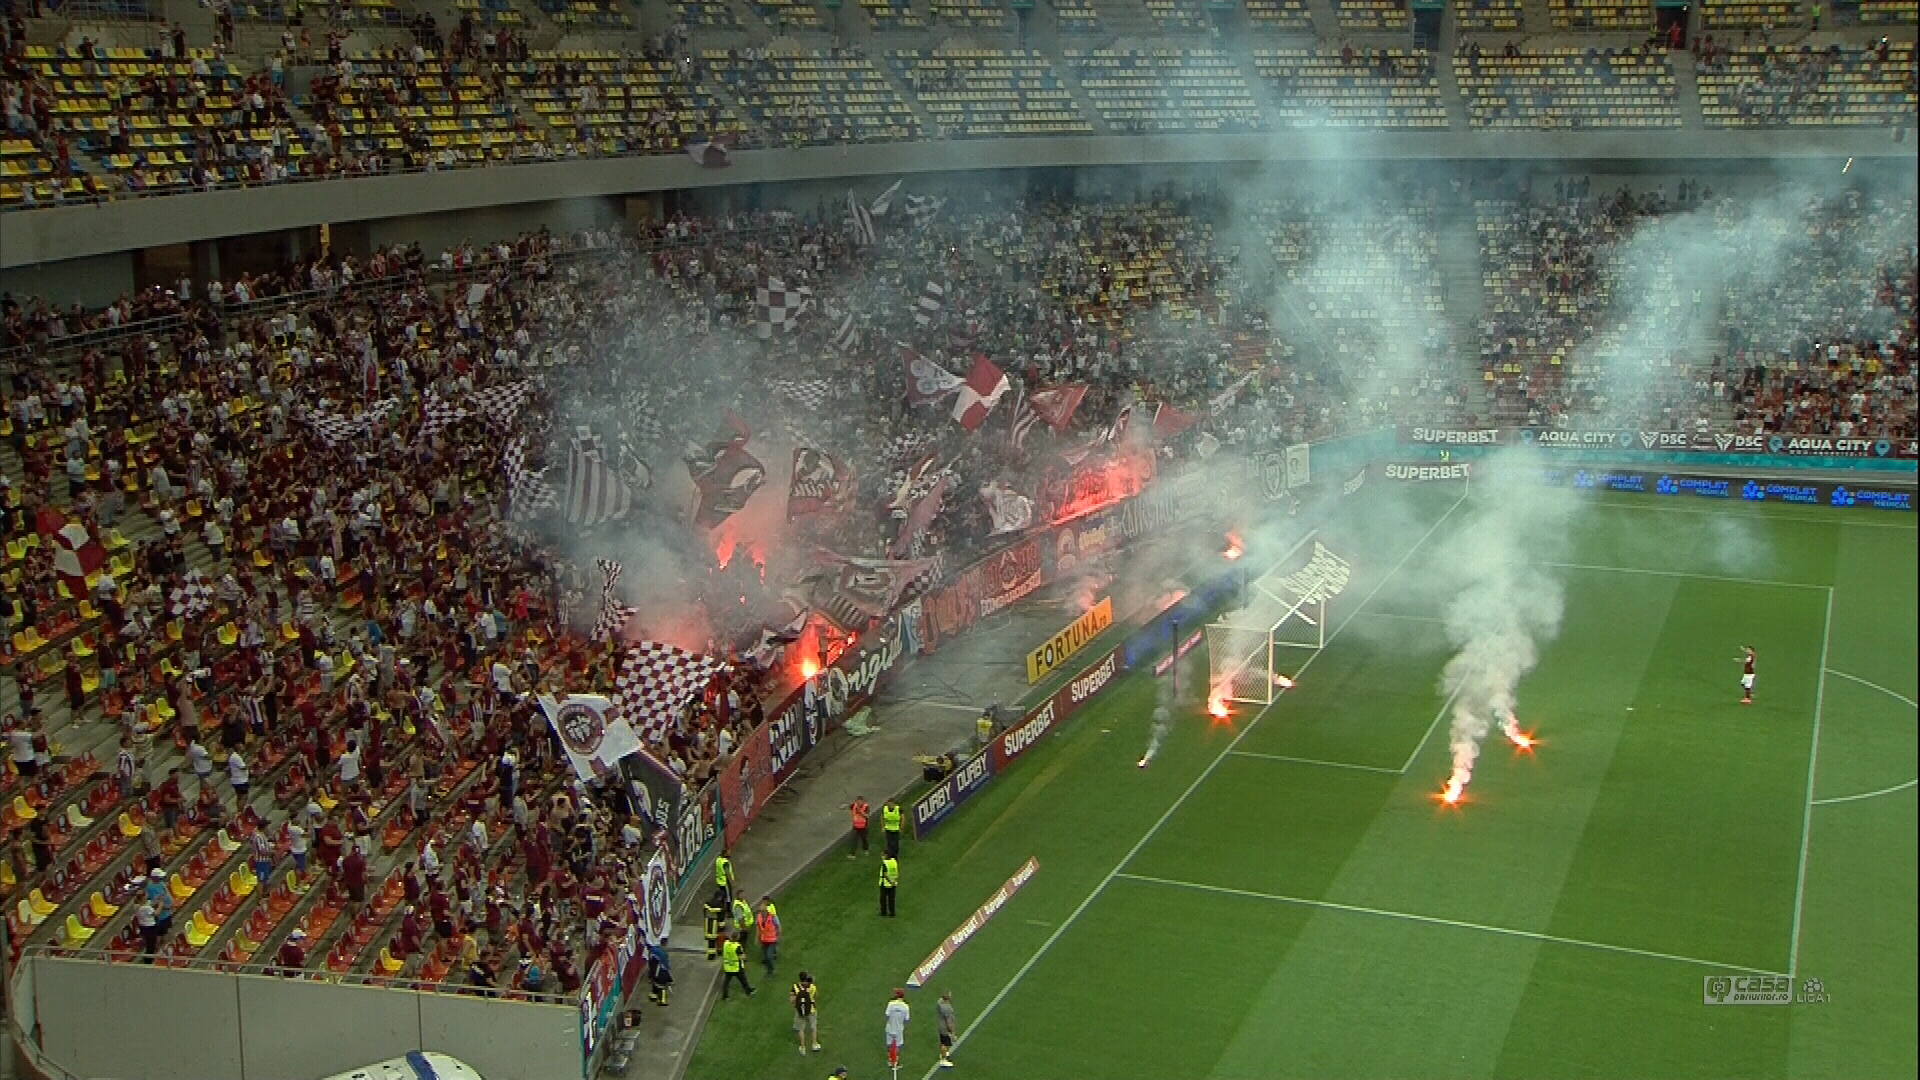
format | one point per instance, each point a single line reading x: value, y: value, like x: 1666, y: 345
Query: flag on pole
x: 613, y: 614
x: 594, y: 736
x: 933, y: 299
x: 979, y: 393
x: 923, y: 208
x: 1023, y: 417
x: 1224, y: 400
x: 885, y: 199
x: 656, y: 681
x: 777, y: 307
x: 1169, y: 421
x: 1056, y: 405
x: 595, y: 493
x: 924, y: 510
x: 860, y: 220
x: 725, y: 474
x: 926, y: 380
x: 847, y: 336
x: 528, y: 492
x: 709, y: 153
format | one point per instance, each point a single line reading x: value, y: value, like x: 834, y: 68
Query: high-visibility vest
x: 730, y: 956
x: 890, y: 818
x: 889, y: 873
x: 722, y: 871
x: 714, y: 914
x: 742, y: 914
x: 859, y: 813
x: 769, y: 929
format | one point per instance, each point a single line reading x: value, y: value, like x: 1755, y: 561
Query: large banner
x: 1021, y: 737
x: 988, y: 587
x: 656, y: 899
x: 1722, y: 442
x: 771, y: 753
x: 599, y: 1000
x: 1070, y: 490
x: 694, y: 828
x: 1057, y: 649
x: 595, y: 740
x: 1805, y: 492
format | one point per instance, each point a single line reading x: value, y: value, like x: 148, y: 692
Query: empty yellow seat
x: 242, y: 882
x: 73, y: 933
x: 76, y: 819
x: 388, y: 964
x: 227, y: 843
x: 25, y: 913
x: 179, y: 888
x: 23, y: 810
x: 199, y: 930
x: 128, y: 828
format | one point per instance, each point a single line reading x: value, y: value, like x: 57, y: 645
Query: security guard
x: 742, y: 920
x: 733, y: 965
x: 983, y: 727
x: 723, y: 875
x: 889, y: 882
x: 716, y: 912
x: 890, y: 825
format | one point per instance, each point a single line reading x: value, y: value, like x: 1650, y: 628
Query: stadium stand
x: 1487, y: 14
x: 893, y: 15
x: 1634, y: 15
x: 1387, y: 88
x: 835, y: 96
x: 972, y: 92
x: 1371, y: 15
x: 502, y: 13
x: 1567, y: 86
x: 1166, y: 90
x: 707, y: 14
x: 1077, y: 17
x: 614, y: 103
x: 968, y: 14
x: 1751, y: 14
x: 789, y: 14
x: 1177, y: 15
x: 1886, y: 12
x: 1776, y: 86
x: 585, y: 14
x: 1290, y: 15
x: 442, y: 113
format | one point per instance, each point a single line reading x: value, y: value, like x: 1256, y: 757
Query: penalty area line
x: 1686, y: 575
x: 1865, y: 794
x: 1154, y: 829
x: 1314, y: 761
x: 1902, y: 698
x: 1435, y: 920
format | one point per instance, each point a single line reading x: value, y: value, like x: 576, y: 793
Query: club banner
x: 1667, y: 442
x: 986, y: 588
x: 1074, y: 637
x: 656, y: 902
x: 594, y: 739
x: 946, y: 796
x: 657, y: 791
x: 1071, y: 490
x: 768, y: 756
x: 599, y: 1000
x: 1298, y: 459
x: 693, y: 831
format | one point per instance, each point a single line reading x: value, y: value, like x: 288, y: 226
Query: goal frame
x: 1253, y: 678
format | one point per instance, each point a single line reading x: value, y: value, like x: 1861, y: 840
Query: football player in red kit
x: 1746, y: 677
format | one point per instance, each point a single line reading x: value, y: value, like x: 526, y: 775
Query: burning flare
x: 1234, y: 549
x: 1510, y: 727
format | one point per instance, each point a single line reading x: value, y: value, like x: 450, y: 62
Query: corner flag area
x: 1281, y: 894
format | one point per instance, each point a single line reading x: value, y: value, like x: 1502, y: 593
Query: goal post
x: 1254, y: 652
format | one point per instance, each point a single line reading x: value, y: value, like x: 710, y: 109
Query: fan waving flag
x: 933, y: 299
x: 613, y: 614
x: 979, y: 393
x: 926, y: 380
x: 592, y: 732
x: 500, y: 404
x: 437, y: 414
x: 885, y: 199
x: 528, y: 492
x: 819, y: 481
x: 595, y: 492
x: 919, y: 517
x: 847, y: 336
x: 1023, y: 417
x: 777, y: 307
x: 1010, y: 510
x: 922, y: 208
x: 655, y: 683
x: 1169, y: 421
x: 860, y: 221
x: 1056, y: 405
x: 725, y: 474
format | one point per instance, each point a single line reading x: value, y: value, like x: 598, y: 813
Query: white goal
x: 1254, y: 652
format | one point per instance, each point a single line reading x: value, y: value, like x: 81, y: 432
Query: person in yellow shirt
x: 890, y: 827
x: 733, y: 965
x: 889, y: 884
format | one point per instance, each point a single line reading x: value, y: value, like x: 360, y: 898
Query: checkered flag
x: 501, y: 404
x: 613, y: 614
x: 923, y: 208
x: 528, y: 492
x: 656, y: 681
x: 813, y: 393
x: 333, y: 428
x: 439, y: 413
x: 903, y: 448
x: 777, y: 307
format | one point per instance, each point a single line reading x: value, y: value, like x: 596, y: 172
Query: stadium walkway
x: 928, y: 708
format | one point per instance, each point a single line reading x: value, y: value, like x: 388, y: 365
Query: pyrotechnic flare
x: 1510, y: 727
x: 1162, y: 723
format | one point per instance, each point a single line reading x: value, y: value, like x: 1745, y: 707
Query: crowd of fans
x: 323, y: 619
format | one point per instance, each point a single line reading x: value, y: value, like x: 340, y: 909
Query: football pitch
x: 1281, y: 894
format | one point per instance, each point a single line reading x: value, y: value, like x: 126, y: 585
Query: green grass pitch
x: 1282, y: 896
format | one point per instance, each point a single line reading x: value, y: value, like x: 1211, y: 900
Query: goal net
x: 1254, y: 652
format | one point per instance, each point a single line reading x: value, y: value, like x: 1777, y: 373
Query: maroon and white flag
x: 979, y: 393
x: 1056, y: 405
x: 926, y: 380
x: 820, y: 481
